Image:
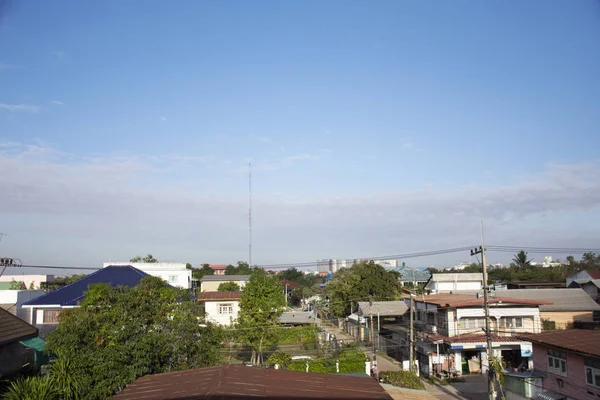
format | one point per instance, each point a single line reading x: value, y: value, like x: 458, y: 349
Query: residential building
x: 332, y: 265
x: 566, y: 307
x: 452, y: 336
x: 383, y: 312
x: 446, y: 283
x: 13, y: 300
x: 387, y: 263
x: 411, y: 276
x: 239, y: 381
x: 218, y: 268
x: 176, y: 274
x: 591, y: 286
x: 44, y: 310
x: 30, y: 281
x: 586, y: 275
x: 568, y: 363
x: 221, y: 307
x: 534, y: 285
x: 548, y: 262
x: 13, y: 354
x: 210, y: 283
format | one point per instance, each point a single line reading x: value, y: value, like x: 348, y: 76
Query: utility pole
x: 411, y: 347
x: 486, y: 308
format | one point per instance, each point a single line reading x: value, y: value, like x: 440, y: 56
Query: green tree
x: 242, y: 269
x: 198, y: 273
x: 521, y: 260
x: 17, y: 285
x: 228, y: 287
x: 119, y: 333
x: 189, y: 266
x: 261, y: 303
x: 358, y: 283
x: 147, y: 259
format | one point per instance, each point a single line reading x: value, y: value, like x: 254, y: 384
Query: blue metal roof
x: 72, y: 293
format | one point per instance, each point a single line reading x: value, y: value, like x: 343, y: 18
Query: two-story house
x: 452, y: 333
x: 211, y: 283
x: 568, y: 363
x: 446, y: 283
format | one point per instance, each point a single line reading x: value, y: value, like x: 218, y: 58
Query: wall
x: 28, y: 279
x: 213, y: 286
x: 212, y: 312
x: 164, y: 270
x: 564, y: 319
x: 18, y: 297
x: 13, y: 356
x: 574, y: 384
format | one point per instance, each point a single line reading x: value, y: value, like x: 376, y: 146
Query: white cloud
x: 20, y: 107
x: 58, y: 103
x: 163, y: 119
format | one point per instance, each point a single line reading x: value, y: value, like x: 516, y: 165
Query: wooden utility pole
x: 411, y: 348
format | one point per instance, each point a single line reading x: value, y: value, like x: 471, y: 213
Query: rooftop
x: 594, y: 274
x: 562, y: 299
x: 578, y: 340
x: 466, y: 300
x: 473, y: 338
x: 224, y: 278
x: 218, y: 266
x: 72, y: 293
x: 408, y: 274
x: 233, y: 382
x: 470, y: 276
x: 383, y: 308
x: 13, y: 329
x: 297, y: 317
x: 215, y: 296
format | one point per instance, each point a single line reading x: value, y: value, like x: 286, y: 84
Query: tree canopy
x: 358, y: 283
x: 242, y: 269
x: 119, y: 333
x: 228, y: 287
x: 521, y: 260
x: 261, y: 303
x: 147, y: 259
x: 198, y: 273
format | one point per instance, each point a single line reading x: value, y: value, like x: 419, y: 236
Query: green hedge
x: 350, y: 362
x: 299, y: 334
x: 404, y: 379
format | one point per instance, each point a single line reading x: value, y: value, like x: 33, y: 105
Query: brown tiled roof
x: 577, y: 340
x: 214, y: 296
x: 464, y: 300
x: 218, y: 266
x: 13, y: 329
x: 233, y: 382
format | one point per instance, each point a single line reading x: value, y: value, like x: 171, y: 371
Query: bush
x: 300, y: 334
x: 280, y: 358
x: 350, y: 362
x: 404, y: 379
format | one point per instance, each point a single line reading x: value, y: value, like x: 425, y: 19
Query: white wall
x: 28, y: 279
x: 176, y: 274
x: 18, y: 297
x: 212, y: 311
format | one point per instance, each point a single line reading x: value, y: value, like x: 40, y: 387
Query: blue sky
x: 374, y: 128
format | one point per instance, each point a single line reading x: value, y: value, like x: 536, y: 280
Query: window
x: 592, y: 372
x: 226, y: 308
x: 172, y: 278
x: 511, y: 322
x: 51, y: 316
x: 557, y: 362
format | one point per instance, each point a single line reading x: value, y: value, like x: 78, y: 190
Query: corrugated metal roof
x: 72, y: 293
x: 216, y: 296
x: 225, y: 278
x: 563, y: 299
x: 384, y: 308
x: 13, y: 329
x: 579, y: 340
x: 233, y: 382
x: 462, y: 277
x: 409, y: 274
x: 296, y: 317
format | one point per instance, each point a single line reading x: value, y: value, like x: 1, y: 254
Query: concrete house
x: 210, y: 283
x: 567, y: 363
x: 452, y: 336
x: 446, y: 283
x: 221, y: 307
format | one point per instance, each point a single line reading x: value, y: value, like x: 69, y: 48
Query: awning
x: 549, y: 395
x: 38, y: 344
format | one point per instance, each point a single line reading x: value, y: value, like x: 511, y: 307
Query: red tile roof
x: 576, y: 340
x: 465, y: 300
x: 218, y: 266
x: 234, y: 382
x: 215, y: 296
x: 594, y: 274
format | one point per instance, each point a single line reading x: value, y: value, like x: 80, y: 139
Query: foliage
x: 521, y: 260
x: 63, y: 372
x: 403, y: 379
x: 17, y: 285
x: 280, y: 358
x: 33, y: 388
x: 120, y: 333
x: 228, y: 287
x: 198, y: 273
x: 188, y: 266
x: 147, y: 259
x: 350, y: 361
x: 548, y: 325
x: 261, y: 303
x: 358, y: 282
x: 297, y: 334
x: 64, y: 280
x: 242, y: 269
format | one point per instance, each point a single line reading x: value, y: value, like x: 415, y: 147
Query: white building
x: 548, y: 262
x: 176, y: 274
x: 28, y: 280
x: 221, y: 307
x: 332, y: 265
x: 446, y: 283
x: 12, y: 301
x: 387, y: 263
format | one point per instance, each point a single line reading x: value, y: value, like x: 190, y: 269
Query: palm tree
x: 520, y: 259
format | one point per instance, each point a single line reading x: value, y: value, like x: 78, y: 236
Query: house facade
x: 451, y: 335
x: 176, y: 274
x: 210, y: 283
x: 221, y: 308
x: 446, y: 283
x: 568, y: 362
